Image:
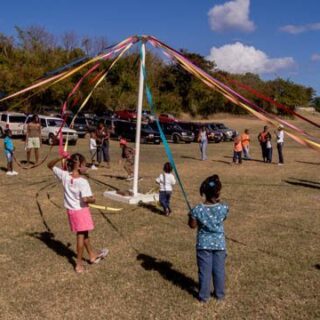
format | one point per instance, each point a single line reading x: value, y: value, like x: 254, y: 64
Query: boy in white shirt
x: 166, y: 180
x: 93, y: 148
x: 280, y: 141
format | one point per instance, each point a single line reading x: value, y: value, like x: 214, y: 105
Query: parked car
x: 50, y: 127
x: 174, y: 132
x: 228, y: 134
x: 82, y: 125
x: 126, y: 129
x: 13, y: 121
x: 167, y: 118
x: 128, y: 115
x: 213, y: 136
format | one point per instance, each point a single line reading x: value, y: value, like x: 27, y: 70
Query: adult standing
x: 280, y: 140
x: 33, y: 138
x: 263, y: 137
x: 245, y: 141
x: 203, y: 142
x: 102, y: 138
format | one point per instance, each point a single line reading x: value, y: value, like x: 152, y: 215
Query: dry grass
x: 273, y: 247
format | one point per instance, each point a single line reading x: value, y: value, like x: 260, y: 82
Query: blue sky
x: 269, y: 37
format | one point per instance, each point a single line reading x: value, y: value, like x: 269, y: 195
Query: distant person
x: 9, y: 150
x: 127, y: 155
x: 203, y: 142
x: 33, y: 138
x: 263, y: 137
x: 245, y: 141
x: 77, y: 197
x: 93, y: 149
x: 208, y: 217
x: 237, y: 150
x: 166, y: 180
x: 280, y: 141
x: 102, y: 138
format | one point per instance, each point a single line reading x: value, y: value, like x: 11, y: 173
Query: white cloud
x: 239, y: 58
x: 231, y: 15
x: 315, y: 57
x: 296, y: 29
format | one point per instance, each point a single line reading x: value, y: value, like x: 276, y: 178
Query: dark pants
x: 164, y: 199
x: 279, y: 147
x: 211, y: 264
x: 103, y: 151
x: 264, y: 151
x: 237, y: 155
x: 269, y: 154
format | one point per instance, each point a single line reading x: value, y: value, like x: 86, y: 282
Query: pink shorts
x: 80, y: 220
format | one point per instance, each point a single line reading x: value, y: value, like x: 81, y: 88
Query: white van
x: 50, y: 127
x: 13, y: 121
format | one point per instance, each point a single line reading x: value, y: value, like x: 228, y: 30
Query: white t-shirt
x: 280, y: 136
x: 74, y: 189
x: 92, y: 144
x: 166, y: 181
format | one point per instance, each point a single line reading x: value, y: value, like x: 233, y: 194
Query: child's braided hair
x: 75, y: 158
x: 211, y: 188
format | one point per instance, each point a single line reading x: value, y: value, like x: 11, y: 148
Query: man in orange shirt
x: 245, y: 141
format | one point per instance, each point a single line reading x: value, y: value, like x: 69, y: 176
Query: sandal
x: 103, y: 253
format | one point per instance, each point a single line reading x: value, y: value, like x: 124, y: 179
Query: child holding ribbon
x: 208, y: 217
x: 77, y: 196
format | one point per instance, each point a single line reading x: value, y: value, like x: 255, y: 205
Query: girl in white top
x: 77, y: 196
x: 166, y: 180
x: 93, y: 149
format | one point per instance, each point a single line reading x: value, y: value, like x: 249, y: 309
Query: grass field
x: 273, y: 264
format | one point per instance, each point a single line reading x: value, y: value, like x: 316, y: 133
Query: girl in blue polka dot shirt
x: 208, y: 217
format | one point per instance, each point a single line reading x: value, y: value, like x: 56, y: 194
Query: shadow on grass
x: 115, y: 177
x: 307, y: 162
x: 253, y: 160
x: 221, y: 161
x: 3, y: 169
x: 55, y: 245
x: 102, y: 183
x: 151, y: 207
x: 164, y: 268
x: 317, y: 266
x: 306, y: 181
x: 192, y: 158
x: 307, y: 184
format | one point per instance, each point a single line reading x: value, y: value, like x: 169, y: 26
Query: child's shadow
x: 164, y: 268
x: 57, y: 246
x: 3, y: 169
x: 150, y: 207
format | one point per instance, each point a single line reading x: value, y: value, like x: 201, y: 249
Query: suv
x: 174, y: 132
x: 213, y: 136
x: 82, y: 125
x: 228, y: 134
x: 128, y: 130
x: 13, y: 121
x: 50, y: 127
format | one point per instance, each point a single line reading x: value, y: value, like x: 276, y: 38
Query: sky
x: 273, y: 38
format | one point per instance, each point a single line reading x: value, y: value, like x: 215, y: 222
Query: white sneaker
x: 9, y: 173
x: 14, y: 173
x: 93, y: 167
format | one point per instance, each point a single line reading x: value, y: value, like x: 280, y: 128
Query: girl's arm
x: 88, y: 200
x: 192, y: 222
x: 53, y: 162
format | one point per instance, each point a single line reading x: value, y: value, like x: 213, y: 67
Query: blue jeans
x: 103, y: 151
x: 211, y: 263
x: 203, y: 149
x: 164, y: 199
x: 246, y: 154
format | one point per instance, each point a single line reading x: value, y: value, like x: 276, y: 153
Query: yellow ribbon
x: 96, y: 206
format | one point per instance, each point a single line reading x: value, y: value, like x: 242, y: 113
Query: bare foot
x: 79, y: 268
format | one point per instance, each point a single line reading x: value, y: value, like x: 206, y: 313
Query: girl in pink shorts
x: 77, y: 196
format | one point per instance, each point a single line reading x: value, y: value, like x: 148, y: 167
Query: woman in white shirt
x: 280, y: 141
x: 166, y: 180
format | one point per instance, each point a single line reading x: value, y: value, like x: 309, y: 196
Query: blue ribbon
x: 163, y: 137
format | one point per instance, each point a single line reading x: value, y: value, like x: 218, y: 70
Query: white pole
x: 138, y: 127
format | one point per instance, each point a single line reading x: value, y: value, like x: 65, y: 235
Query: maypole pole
x: 139, y: 116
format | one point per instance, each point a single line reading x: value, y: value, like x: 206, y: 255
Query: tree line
x: 34, y: 52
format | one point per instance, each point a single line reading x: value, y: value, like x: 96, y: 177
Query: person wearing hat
x: 128, y: 156
x: 263, y: 138
x: 280, y: 140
